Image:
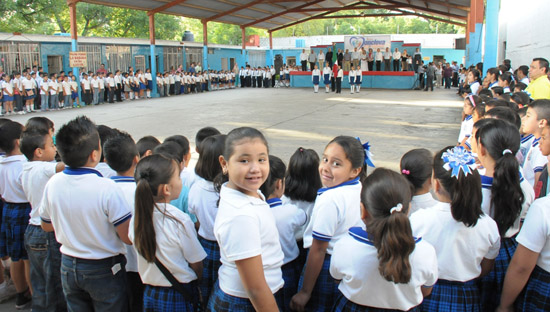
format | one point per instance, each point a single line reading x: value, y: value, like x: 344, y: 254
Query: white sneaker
x: 7, y: 291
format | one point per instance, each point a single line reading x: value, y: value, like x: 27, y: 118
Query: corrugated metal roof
x: 278, y: 14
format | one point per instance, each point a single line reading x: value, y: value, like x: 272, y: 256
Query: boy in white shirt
x: 66, y: 85
x: 90, y: 220
x: 538, y: 114
x: 54, y: 98
x: 95, y: 89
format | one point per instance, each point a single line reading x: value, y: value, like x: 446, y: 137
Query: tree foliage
x: 52, y: 16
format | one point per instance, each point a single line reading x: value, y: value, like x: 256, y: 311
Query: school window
x: 256, y: 58
x: 173, y: 56
x: 15, y: 57
x: 118, y: 58
x: 93, y: 55
x: 192, y: 55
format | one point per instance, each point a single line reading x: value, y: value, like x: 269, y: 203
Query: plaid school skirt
x: 536, y: 294
x: 222, y: 302
x: 325, y: 289
x: 342, y: 304
x: 490, y: 285
x: 160, y: 299
x: 291, y: 276
x: 453, y: 296
x: 211, y: 264
x: 15, y: 219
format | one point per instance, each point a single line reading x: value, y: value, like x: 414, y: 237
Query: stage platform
x: 371, y: 79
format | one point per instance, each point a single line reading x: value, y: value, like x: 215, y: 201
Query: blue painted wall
x: 379, y: 82
x: 62, y: 49
x: 491, y: 35
x: 215, y: 60
x: 449, y: 54
x: 474, y: 52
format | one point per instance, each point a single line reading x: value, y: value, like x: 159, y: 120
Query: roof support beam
x: 449, y: 5
x: 435, y: 18
x: 242, y: 7
x: 166, y: 6
x: 430, y: 11
x: 363, y: 15
x: 359, y: 7
x: 282, y: 13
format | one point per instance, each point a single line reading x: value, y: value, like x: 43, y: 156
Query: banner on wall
x: 374, y: 42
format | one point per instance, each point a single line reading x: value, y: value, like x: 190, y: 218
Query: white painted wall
x: 525, y: 26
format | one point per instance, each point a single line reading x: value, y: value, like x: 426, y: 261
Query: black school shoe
x: 23, y: 300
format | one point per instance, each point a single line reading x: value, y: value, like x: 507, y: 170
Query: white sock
x: 148, y: 93
x: 358, y: 88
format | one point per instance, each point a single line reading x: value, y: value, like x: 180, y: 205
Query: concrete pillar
x: 491, y: 34
x: 474, y: 30
x: 154, y: 92
x: 74, y: 38
x: 205, y: 45
x: 269, y: 60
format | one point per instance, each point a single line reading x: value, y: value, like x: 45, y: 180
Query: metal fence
x: 118, y: 58
x: 15, y: 57
x: 173, y: 56
x: 93, y: 53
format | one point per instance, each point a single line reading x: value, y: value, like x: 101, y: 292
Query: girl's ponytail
x: 386, y: 195
x: 145, y: 239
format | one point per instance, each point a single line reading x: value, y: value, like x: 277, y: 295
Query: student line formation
x: 92, y: 220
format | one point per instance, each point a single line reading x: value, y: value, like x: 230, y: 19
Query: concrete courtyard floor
x: 394, y: 121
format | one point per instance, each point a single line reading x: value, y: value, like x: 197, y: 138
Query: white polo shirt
x: 535, y: 233
x: 27, y: 84
x: 336, y: 210
x: 148, y: 76
x: 528, y: 198
x: 355, y: 263
x: 306, y: 207
x: 34, y: 177
x: 244, y: 228
x: 127, y: 186
x: 459, y: 249
x: 466, y: 128
x: 203, y: 203
x: 10, y: 179
x: 534, y: 162
x: 177, y: 246
x: 85, y: 215
x: 189, y: 177
x: 53, y: 86
x: 288, y: 218
x: 422, y: 202
x: 105, y: 170
x: 526, y: 143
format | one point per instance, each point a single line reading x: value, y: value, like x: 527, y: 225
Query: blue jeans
x: 90, y: 285
x: 45, y: 262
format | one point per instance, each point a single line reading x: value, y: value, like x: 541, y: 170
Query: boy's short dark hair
x: 543, y: 63
x: 9, y: 132
x: 204, y: 133
x: 505, y: 113
x: 147, y: 143
x: 181, y: 140
x: 486, y: 91
x: 39, y: 124
x: 542, y: 107
x: 76, y: 140
x: 120, y: 151
x: 171, y: 150
x: 31, y: 139
x: 105, y: 133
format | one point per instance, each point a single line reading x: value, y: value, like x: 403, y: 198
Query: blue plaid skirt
x: 157, y: 299
x: 291, y: 276
x: 325, y: 289
x: 351, y: 81
x: 536, y: 294
x: 326, y: 78
x: 453, y: 296
x: 490, y: 286
x: 150, y: 84
x: 315, y: 80
x: 211, y: 264
x: 15, y: 219
x: 222, y: 302
x: 342, y: 304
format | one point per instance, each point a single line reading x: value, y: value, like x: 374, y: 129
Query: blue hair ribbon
x: 368, y: 154
x: 457, y: 159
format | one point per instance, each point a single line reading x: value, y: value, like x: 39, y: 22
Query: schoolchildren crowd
x: 115, y: 225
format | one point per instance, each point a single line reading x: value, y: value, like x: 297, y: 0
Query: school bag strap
x: 195, y: 300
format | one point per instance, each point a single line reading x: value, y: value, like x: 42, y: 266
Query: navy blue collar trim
x: 536, y: 142
x: 362, y: 236
x: 81, y: 171
x: 469, y: 117
x: 526, y: 138
x: 350, y: 182
x: 274, y: 202
x: 486, y: 182
x: 120, y: 179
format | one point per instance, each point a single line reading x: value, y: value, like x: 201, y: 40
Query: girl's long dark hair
x: 390, y: 232
x: 354, y: 152
x: 506, y: 194
x: 208, y: 166
x: 151, y: 172
x: 277, y: 170
x: 302, y: 180
x: 464, y: 191
x: 417, y: 166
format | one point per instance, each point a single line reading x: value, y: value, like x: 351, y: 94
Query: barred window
x: 192, y: 55
x: 93, y: 53
x: 173, y: 56
x: 118, y: 58
x: 256, y: 58
x: 15, y: 57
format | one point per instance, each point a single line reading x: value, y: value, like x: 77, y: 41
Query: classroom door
x: 438, y: 59
x: 231, y: 63
x: 55, y: 63
x: 224, y: 63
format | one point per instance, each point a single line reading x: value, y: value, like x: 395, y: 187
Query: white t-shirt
x: 459, y: 249
x: 336, y: 210
x: 27, y: 84
x: 148, y: 76
x: 474, y: 87
x: 177, y: 246
x: 7, y: 87
x: 528, y: 198
x: 288, y: 218
x: 526, y: 143
x: 53, y: 86
x: 189, y: 177
x: 95, y: 83
x: 66, y: 87
x: 535, y: 233
x: 422, y: 202
x: 203, y: 203
x: 244, y: 228
x: 85, y: 215
x: 101, y: 83
x: 466, y: 128
x: 355, y: 263
x: 10, y: 179
x: 306, y: 207
x: 127, y: 186
x: 105, y: 170
x: 74, y: 86
x: 44, y: 87
x: 34, y: 177
x: 534, y: 162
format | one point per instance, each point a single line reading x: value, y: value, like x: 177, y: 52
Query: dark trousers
x: 111, y: 95
x: 312, y: 65
x: 447, y: 82
x: 429, y: 82
x: 260, y: 81
x: 332, y: 84
x: 395, y: 65
x: 330, y: 62
x: 370, y: 65
x: 178, y: 87
x: 378, y: 65
x: 387, y: 66
x: 421, y: 80
x: 338, y: 85
x: 248, y: 81
x: 273, y: 81
x: 242, y: 81
x: 455, y: 79
x: 255, y: 80
x: 304, y: 65
x: 118, y: 92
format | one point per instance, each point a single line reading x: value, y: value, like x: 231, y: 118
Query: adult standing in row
x: 370, y: 59
x: 347, y: 60
x: 364, y: 63
x: 396, y: 59
x: 417, y: 59
x: 404, y: 57
x: 312, y: 59
x: 387, y: 59
x: 303, y: 59
x: 379, y: 57
x: 340, y: 57
x: 355, y: 55
x: 329, y: 57
x: 321, y: 58
x: 539, y: 88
